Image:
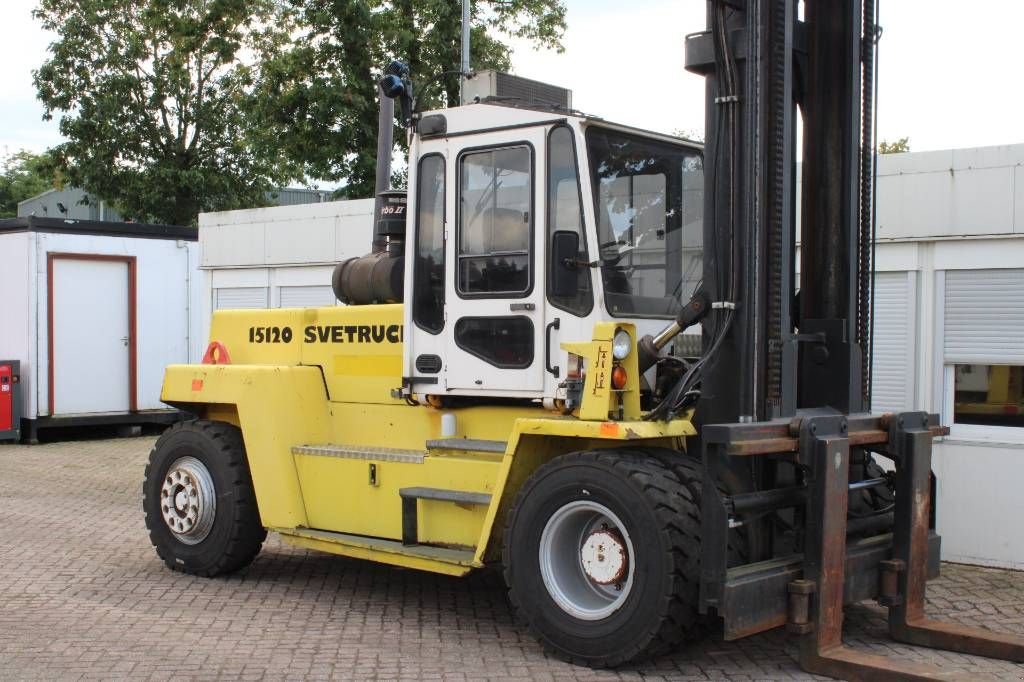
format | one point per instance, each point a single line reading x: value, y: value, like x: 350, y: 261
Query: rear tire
x: 199, y: 502
x: 620, y: 611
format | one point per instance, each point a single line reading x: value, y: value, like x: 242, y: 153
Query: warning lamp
x: 619, y: 377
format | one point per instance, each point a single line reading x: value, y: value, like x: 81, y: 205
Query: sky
x: 947, y: 72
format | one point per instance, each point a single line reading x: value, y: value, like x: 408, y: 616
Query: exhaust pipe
x: 379, y: 277
x: 385, y: 148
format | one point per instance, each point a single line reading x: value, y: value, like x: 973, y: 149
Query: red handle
x: 216, y: 354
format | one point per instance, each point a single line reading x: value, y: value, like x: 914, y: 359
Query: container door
x: 90, y: 336
x: 495, y: 316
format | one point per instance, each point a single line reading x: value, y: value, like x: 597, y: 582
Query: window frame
x: 531, y: 239
x: 416, y: 240
x: 549, y: 232
x: 492, y: 318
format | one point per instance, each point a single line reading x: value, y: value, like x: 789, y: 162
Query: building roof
x: 96, y: 227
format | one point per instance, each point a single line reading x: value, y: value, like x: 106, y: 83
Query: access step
x: 410, y: 523
x: 467, y: 445
x: 366, y: 452
x: 448, y: 555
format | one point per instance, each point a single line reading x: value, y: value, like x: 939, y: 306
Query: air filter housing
x: 515, y: 89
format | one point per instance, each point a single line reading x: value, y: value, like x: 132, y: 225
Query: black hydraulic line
x: 784, y: 498
x: 727, y: 101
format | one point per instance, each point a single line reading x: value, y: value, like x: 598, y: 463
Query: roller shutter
x: 231, y: 298
x: 892, y: 384
x: 306, y: 296
x: 984, y: 317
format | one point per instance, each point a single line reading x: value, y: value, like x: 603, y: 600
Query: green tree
x: 898, y: 147
x: 24, y: 175
x: 320, y: 96
x: 155, y: 98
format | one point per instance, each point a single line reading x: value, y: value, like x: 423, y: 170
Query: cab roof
x: 488, y: 116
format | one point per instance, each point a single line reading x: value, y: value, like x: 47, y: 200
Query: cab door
x: 496, y: 296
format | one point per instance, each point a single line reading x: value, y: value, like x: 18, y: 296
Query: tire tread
x: 671, y: 482
x: 247, y: 532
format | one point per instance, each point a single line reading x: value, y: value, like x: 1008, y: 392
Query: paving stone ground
x: 83, y: 596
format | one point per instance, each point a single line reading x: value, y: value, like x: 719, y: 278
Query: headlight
x: 621, y: 344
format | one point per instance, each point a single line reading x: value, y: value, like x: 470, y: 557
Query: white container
x: 94, y: 312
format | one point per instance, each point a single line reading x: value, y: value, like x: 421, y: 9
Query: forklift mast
x: 779, y: 350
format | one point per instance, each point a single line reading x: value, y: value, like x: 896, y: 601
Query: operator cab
x: 526, y: 227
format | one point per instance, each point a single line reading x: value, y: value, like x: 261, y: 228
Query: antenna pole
x: 464, y: 66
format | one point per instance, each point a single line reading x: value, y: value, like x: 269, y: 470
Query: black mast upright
x: 760, y: 63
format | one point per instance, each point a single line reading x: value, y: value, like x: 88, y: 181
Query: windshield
x: 649, y: 204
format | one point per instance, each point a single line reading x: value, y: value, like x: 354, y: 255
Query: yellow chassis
x: 302, y: 402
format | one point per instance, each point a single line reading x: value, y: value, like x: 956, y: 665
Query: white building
x: 949, y: 326
x: 93, y: 312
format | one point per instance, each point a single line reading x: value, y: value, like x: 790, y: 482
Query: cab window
x: 565, y: 214
x: 428, y: 269
x: 648, y: 199
x: 495, y: 222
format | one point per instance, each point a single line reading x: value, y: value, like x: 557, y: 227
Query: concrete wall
x: 951, y: 193
x: 286, y: 235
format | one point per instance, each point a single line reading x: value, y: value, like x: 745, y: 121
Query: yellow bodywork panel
x: 340, y: 497
x: 359, y: 348
x: 330, y: 447
x: 277, y: 407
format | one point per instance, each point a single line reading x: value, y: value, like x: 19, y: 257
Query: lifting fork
x: 818, y: 598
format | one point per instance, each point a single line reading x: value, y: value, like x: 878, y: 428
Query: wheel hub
x: 604, y: 557
x: 187, y: 500
x: 585, y: 560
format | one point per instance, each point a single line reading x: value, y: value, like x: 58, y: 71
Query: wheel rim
x: 187, y: 500
x: 586, y: 560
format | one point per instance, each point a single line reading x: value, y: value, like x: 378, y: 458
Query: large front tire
x: 601, y: 557
x: 199, y: 502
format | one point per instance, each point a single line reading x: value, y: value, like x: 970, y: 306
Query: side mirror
x: 565, y: 249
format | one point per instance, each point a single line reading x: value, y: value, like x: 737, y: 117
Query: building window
x: 428, y: 270
x: 991, y: 395
x: 565, y: 214
x: 983, y: 353
x: 495, y: 222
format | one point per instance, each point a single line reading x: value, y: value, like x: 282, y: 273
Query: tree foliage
x: 320, y: 95
x: 155, y: 98
x: 23, y: 175
x: 898, y: 147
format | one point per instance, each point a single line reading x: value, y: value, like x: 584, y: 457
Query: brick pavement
x: 83, y: 596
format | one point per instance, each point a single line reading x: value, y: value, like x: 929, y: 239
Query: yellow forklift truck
x: 512, y: 380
